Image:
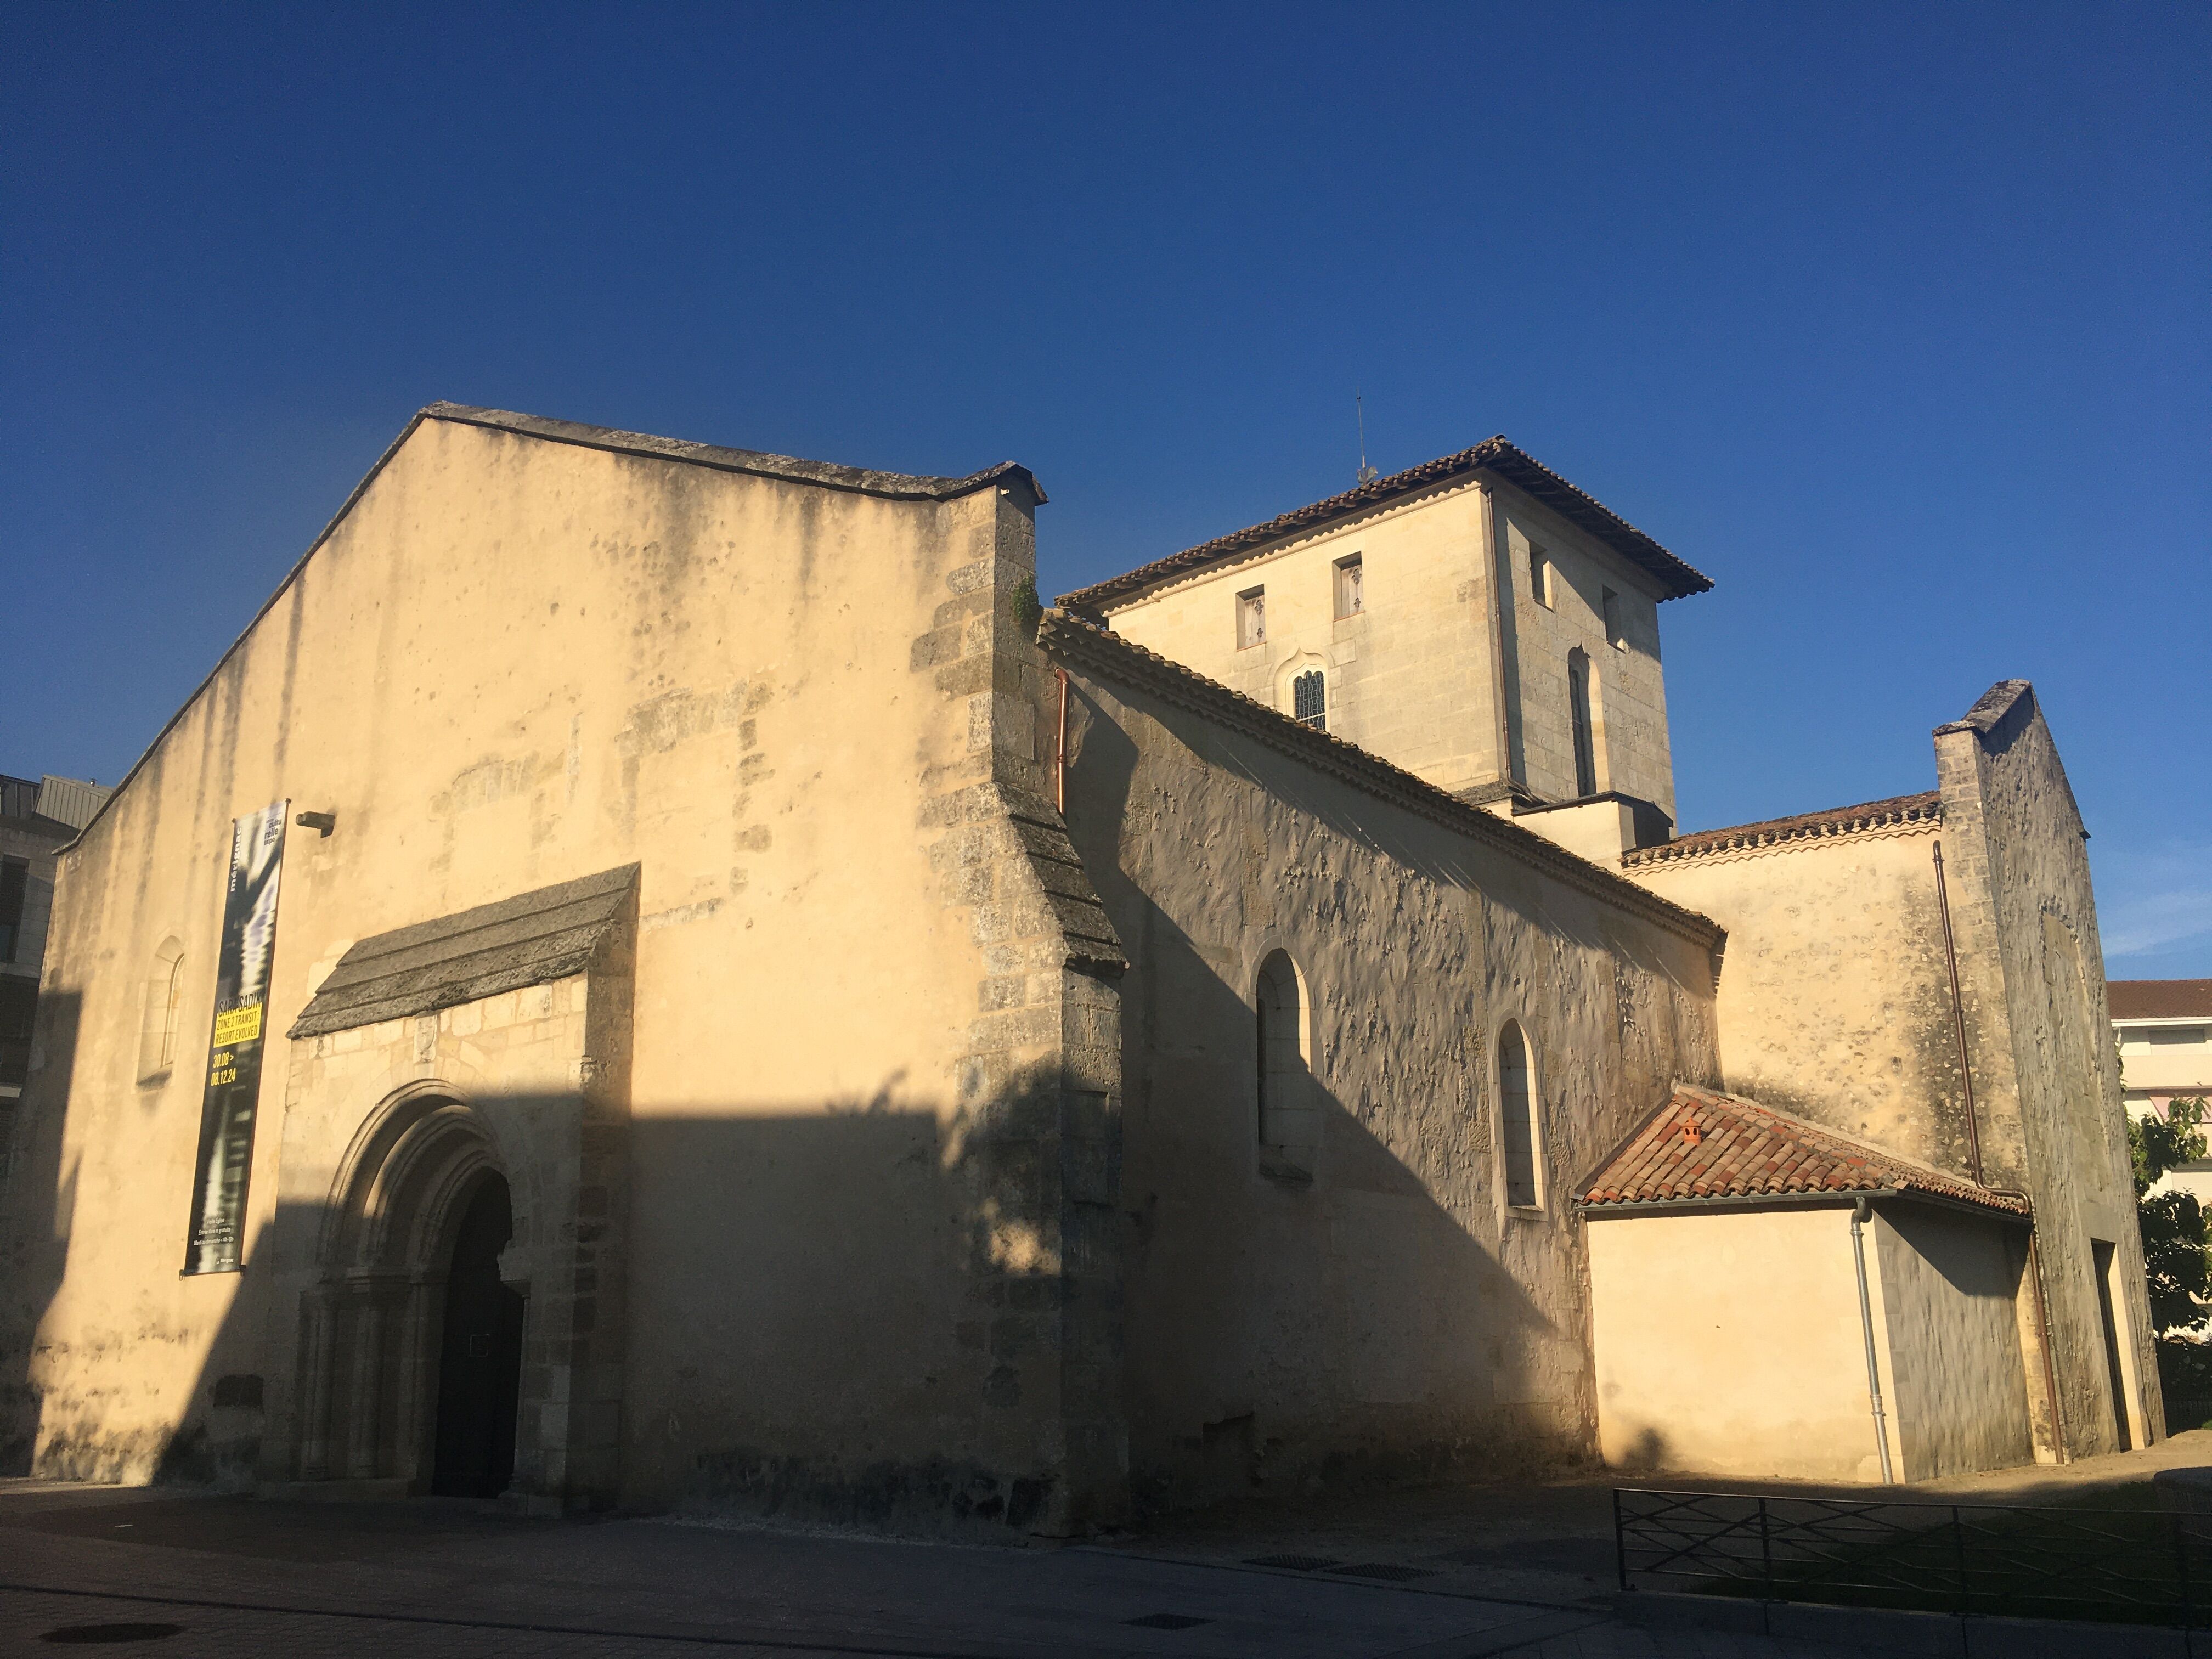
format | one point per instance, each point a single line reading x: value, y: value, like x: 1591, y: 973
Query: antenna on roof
x: 1367, y: 474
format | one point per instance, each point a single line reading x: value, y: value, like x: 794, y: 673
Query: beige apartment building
x: 2164, y: 1030
x: 693, y: 991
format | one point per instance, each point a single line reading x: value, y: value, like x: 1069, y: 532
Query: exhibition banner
x: 233, y: 1079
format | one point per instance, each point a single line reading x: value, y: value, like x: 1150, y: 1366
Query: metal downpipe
x: 1862, y: 1212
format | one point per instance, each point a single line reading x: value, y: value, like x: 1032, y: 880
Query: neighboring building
x: 755, y: 1016
x: 2164, y: 1030
x: 2164, y: 1027
x: 36, y: 817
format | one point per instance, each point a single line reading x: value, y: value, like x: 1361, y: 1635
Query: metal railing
x: 2120, y: 1566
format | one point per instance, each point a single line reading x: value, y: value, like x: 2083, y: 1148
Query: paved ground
x: 1524, y: 1571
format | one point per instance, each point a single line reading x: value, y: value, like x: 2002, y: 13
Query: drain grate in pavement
x: 1389, y: 1570
x: 1167, y: 1621
x: 1295, y: 1563
x: 95, y: 1634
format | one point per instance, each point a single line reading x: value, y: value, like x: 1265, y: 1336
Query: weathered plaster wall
x: 1835, y: 1002
x: 1417, y: 677
x: 810, y: 714
x: 2046, y: 1069
x: 1409, y: 678
x: 1391, y: 1316
x: 1949, y: 1289
x: 1729, y: 1343
x: 1628, y: 696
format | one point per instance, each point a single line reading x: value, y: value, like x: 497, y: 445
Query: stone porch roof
x: 532, y: 938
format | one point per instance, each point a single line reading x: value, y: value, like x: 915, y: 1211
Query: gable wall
x: 2030, y: 956
x: 516, y: 662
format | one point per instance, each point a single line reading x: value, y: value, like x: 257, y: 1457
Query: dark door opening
x: 2101, y: 1258
x: 480, y: 1360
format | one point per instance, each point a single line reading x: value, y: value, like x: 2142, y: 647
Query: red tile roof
x: 2161, y: 998
x: 1924, y: 808
x: 1507, y: 460
x: 1704, y: 1145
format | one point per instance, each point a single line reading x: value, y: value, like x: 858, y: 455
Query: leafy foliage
x: 2173, y: 1225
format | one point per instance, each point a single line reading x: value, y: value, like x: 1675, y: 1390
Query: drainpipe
x: 1862, y: 1212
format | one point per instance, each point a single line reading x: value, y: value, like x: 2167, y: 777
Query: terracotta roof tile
x: 2161, y: 998
x: 1703, y: 1144
x: 1899, y: 810
x: 1496, y: 455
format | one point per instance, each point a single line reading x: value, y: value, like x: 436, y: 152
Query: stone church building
x: 658, y: 974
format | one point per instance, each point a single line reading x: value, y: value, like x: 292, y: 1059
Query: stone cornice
x: 1906, y: 815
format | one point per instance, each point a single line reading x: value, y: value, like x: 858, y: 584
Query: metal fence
x: 2116, y: 1565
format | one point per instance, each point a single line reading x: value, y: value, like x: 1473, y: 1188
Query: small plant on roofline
x: 2173, y: 1226
x: 1028, y: 610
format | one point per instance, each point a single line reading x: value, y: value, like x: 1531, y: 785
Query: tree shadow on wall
x: 857, y: 1311
x: 1372, y: 1323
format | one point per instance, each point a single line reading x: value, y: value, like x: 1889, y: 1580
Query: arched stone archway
x: 376, y: 1320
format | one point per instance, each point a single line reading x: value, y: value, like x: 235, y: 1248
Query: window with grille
x: 1252, y: 618
x: 1309, y: 700
x: 1350, y: 599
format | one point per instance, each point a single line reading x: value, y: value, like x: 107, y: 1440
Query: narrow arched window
x: 1518, y: 1129
x: 163, y: 1016
x: 1309, y: 700
x: 1290, y: 1117
x: 1578, y: 704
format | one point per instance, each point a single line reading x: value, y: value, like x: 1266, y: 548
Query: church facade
x: 696, y: 988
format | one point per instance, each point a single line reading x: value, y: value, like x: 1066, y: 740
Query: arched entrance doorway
x: 414, y: 1340
x: 479, y: 1354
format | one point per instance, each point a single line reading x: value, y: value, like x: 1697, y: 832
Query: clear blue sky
x: 1893, y: 320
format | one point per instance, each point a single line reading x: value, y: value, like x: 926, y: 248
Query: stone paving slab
x: 246, y: 1576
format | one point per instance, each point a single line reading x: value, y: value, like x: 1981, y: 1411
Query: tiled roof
x: 1896, y: 812
x: 1496, y: 455
x: 1705, y: 1145
x: 2161, y: 998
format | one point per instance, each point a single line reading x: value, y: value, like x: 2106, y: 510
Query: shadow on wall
x: 38, y: 1199
x: 852, y: 1314
x: 1311, y: 1316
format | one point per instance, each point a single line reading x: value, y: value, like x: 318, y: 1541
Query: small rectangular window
x: 1309, y: 700
x: 15, y: 884
x: 1610, y: 604
x: 1252, y: 618
x: 1349, y: 601
x: 1539, y: 575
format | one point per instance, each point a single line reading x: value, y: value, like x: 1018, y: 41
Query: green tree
x: 2172, y: 1223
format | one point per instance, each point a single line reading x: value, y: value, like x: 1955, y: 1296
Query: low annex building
x: 696, y: 989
